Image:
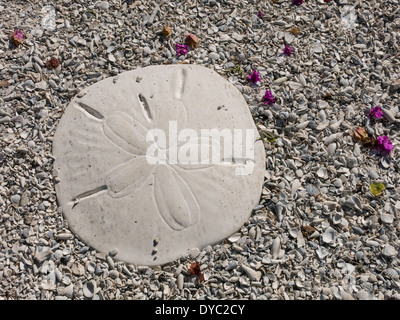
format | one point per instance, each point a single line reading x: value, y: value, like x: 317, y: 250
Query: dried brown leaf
x: 192, y: 41
x: 196, y: 270
x: 167, y: 31
x: 307, y: 231
x: 4, y: 84
x: 294, y: 30
x: 362, y: 135
x: 53, y: 63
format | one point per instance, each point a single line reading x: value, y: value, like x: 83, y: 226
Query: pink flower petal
x: 181, y: 49
x: 268, y: 98
x: 376, y: 113
x: 288, y: 50
x: 384, y: 143
x: 254, y: 77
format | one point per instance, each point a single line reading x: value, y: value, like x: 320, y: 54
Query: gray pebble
x: 179, y: 281
x: 89, y: 289
x: 114, y: 274
x: 110, y: 262
x: 389, y: 251
x: 338, y: 183
x: 69, y: 291
x: 104, y: 5
x: 373, y: 174
x: 15, y: 199
x: 213, y: 56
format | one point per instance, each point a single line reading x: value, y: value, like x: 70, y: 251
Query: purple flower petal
x: 181, y: 49
x: 297, y: 2
x: 268, y: 98
x: 260, y: 14
x: 18, y: 34
x: 383, y: 143
x: 254, y: 77
x: 288, y: 50
x: 376, y: 113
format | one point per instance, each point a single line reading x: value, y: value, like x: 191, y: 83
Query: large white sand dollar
x: 122, y: 186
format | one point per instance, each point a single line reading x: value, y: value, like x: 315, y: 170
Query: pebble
x: 329, y: 235
x: 104, y: 5
x: 15, y: 199
x: 89, y: 289
x: 373, y: 174
x: 213, y: 56
x: 114, y: 274
x: 41, y: 256
x: 252, y: 274
x: 69, y: 291
x: 110, y: 262
x: 64, y: 236
x: 180, y: 281
x: 389, y: 251
x: 77, y: 269
x: 338, y: 183
x: 275, y: 248
x: 387, y: 218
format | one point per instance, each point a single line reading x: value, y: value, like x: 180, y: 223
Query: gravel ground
x: 318, y: 233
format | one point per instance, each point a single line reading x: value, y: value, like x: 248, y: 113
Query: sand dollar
x: 157, y: 161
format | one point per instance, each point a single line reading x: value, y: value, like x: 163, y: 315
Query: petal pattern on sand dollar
x: 127, y: 133
x: 128, y: 177
x: 175, y: 201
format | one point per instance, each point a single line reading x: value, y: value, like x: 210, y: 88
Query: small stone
x: 322, y: 252
x: 64, y: 236
x: 213, y: 56
x: 389, y: 251
x: 224, y: 38
x: 110, y: 262
x: 302, y: 80
x: 25, y: 198
x: 294, y: 85
x: 387, y: 218
x: 179, y: 281
x: 280, y: 80
x: 104, y: 5
x: 338, y: 183
x: 373, y: 174
x: 347, y: 296
x: 275, y: 247
x: 231, y: 265
x: 69, y: 291
x: 329, y: 235
x: 331, y: 148
x: 89, y: 289
x: 113, y: 253
x: 237, y: 36
x: 42, y: 85
x: 43, y: 255
x: 114, y: 274
x: 252, y: 274
x: 111, y: 57
x: 77, y: 269
x: 15, y: 199
x: 193, y: 253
